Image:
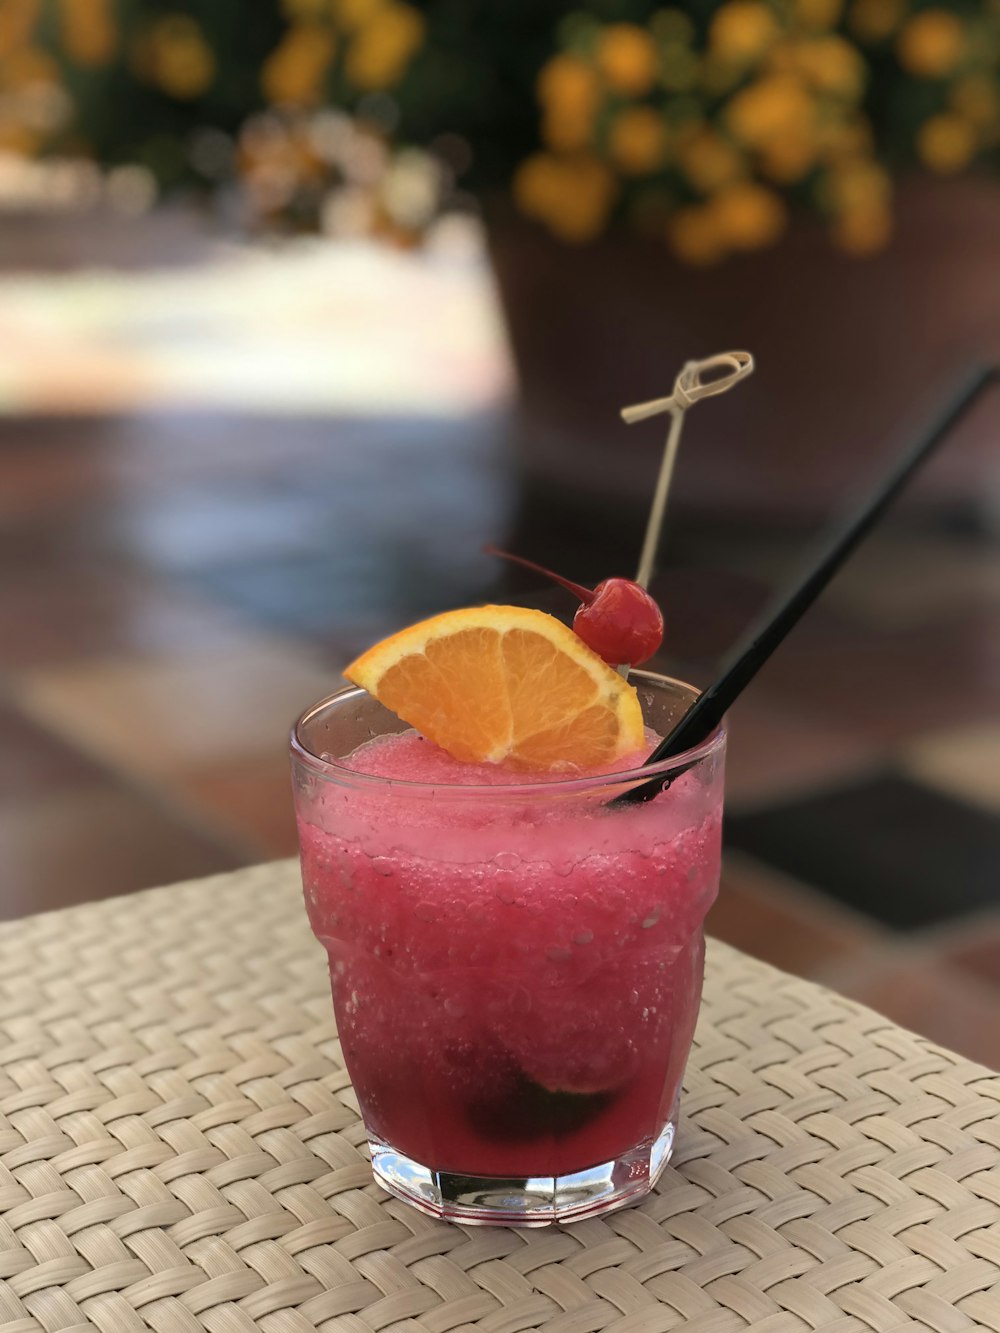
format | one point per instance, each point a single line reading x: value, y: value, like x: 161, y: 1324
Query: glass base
x: 535, y: 1202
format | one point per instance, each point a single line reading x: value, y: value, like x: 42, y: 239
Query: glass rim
x: 332, y: 771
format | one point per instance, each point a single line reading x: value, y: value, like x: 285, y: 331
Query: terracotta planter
x: 846, y: 348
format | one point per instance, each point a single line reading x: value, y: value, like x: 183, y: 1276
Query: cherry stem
x: 585, y: 595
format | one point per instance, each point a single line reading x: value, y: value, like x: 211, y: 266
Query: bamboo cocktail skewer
x: 689, y: 388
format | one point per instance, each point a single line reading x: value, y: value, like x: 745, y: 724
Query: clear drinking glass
x: 516, y: 969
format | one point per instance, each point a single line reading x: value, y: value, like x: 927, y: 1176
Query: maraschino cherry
x: 618, y: 618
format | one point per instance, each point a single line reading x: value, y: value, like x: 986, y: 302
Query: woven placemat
x: 180, y: 1150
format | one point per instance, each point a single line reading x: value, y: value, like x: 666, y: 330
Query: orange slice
x: 504, y: 684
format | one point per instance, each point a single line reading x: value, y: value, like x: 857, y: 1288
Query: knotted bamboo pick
x: 689, y: 388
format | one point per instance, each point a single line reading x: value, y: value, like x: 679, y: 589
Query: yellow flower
x: 742, y: 30
x: 181, y: 62
x: 748, y: 216
x: 568, y: 84
x: 572, y: 195
x: 566, y: 131
x: 87, y: 30
x: 569, y: 92
x: 17, y: 22
x: 694, y: 236
x: 818, y: 13
x: 293, y: 74
x: 947, y: 143
x: 931, y: 44
x: 29, y: 65
x: 585, y: 201
x: 637, y: 141
x: 832, y: 65
x: 627, y: 57
x: 351, y: 14
x: 976, y: 97
x: 17, y: 139
x: 863, y: 231
x: 856, y: 187
x: 708, y: 161
x: 383, y: 47
x: 537, y: 183
x: 875, y: 20
x: 770, y: 109
x: 788, y: 158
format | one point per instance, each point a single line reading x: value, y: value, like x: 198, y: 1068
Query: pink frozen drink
x: 516, y: 967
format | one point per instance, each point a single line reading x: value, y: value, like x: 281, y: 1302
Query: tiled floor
x: 174, y: 588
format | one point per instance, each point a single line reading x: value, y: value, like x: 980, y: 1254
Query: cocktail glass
x: 516, y: 969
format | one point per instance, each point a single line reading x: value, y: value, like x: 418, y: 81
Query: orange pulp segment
x: 504, y: 684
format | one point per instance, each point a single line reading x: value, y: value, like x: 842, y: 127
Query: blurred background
x: 303, y: 302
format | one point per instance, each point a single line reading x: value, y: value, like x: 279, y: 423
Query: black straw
x: 752, y: 652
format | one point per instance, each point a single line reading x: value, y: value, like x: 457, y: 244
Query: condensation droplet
x: 583, y: 937
x: 507, y: 860
x: 558, y: 955
x: 454, y: 1007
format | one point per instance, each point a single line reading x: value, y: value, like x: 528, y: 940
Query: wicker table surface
x: 180, y: 1150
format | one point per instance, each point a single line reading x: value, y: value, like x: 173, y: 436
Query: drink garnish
x: 618, y: 619
x: 505, y: 684
x: 697, y: 380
